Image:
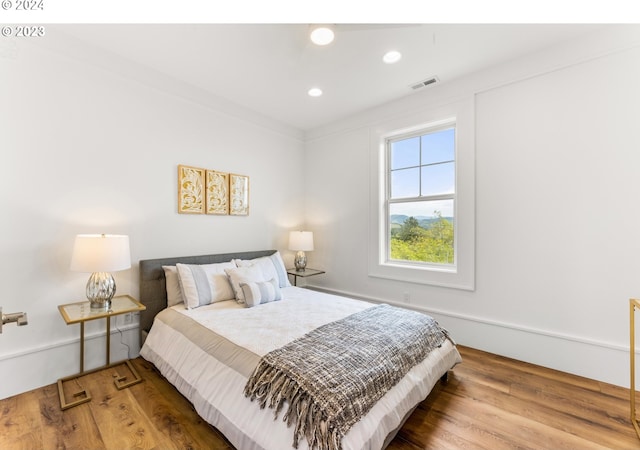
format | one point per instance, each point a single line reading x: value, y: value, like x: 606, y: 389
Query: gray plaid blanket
x: 333, y: 375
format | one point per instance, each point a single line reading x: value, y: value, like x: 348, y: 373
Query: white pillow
x: 259, y: 292
x: 203, y: 284
x: 174, y: 293
x: 240, y: 275
x: 271, y: 267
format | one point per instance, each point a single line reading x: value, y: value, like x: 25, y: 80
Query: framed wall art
x: 238, y: 195
x: 191, y: 190
x: 217, y: 192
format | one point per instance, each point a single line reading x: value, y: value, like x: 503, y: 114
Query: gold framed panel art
x: 191, y: 190
x: 217, y: 195
x: 238, y: 195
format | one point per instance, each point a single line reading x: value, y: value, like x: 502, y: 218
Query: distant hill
x: 423, y: 221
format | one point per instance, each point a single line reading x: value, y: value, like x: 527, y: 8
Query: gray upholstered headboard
x: 153, y: 293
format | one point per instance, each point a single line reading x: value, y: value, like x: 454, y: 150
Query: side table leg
x: 632, y: 357
x: 108, y: 340
x: 81, y: 346
x: 82, y: 396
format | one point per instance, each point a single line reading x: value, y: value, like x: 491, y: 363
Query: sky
x: 423, y: 166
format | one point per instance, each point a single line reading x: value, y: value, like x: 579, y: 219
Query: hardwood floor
x: 494, y: 402
x: 489, y: 402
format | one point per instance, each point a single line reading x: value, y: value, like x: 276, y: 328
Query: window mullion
x: 420, y: 169
x: 425, y: 198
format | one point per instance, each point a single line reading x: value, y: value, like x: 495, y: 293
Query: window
x: 422, y: 224
x: 420, y: 199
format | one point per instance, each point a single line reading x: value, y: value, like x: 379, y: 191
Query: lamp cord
x: 122, y: 342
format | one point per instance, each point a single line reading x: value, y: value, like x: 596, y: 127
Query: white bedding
x: 215, y: 387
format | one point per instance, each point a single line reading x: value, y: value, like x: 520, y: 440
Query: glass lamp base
x: 101, y: 288
x: 101, y: 304
x: 300, y: 261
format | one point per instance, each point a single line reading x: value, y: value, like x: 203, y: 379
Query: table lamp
x: 300, y: 242
x: 100, y: 254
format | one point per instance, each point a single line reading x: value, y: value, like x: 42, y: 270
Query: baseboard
x: 88, y: 337
x: 598, y: 360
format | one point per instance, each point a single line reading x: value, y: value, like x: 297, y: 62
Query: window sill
x: 448, y: 277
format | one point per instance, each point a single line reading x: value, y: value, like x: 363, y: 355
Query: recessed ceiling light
x: 322, y: 35
x: 392, y: 57
x: 315, y: 92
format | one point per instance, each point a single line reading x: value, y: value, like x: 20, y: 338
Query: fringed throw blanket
x: 333, y: 375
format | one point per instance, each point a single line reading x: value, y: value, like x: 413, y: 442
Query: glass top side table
x: 81, y: 312
x: 303, y: 274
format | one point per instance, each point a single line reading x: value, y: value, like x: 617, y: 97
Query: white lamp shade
x: 301, y: 240
x: 100, y: 253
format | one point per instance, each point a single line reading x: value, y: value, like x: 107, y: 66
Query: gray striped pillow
x: 258, y: 292
x: 202, y: 284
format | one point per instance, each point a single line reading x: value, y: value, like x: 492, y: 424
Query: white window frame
x: 388, y: 201
x: 461, y: 274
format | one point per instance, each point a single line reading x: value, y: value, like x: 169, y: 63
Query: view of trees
x: 427, y: 240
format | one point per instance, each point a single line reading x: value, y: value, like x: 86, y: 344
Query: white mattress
x: 214, y: 383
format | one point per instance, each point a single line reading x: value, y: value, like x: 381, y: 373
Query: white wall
x: 557, y: 206
x: 90, y: 143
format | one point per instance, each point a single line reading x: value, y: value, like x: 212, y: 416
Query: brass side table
x: 81, y: 312
x: 633, y: 304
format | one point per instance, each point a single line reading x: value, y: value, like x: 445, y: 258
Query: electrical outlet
x: 406, y: 297
x: 128, y: 318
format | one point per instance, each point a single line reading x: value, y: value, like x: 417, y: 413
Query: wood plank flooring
x: 489, y: 402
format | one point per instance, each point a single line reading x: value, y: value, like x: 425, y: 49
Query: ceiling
x: 269, y: 68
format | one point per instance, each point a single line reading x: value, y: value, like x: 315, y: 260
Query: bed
x: 213, y: 353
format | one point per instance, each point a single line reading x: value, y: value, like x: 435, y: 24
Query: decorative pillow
x: 239, y: 275
x: 271, y: 267
x: 259, y: 292
x: 203, y: 284
x: 174, y: 293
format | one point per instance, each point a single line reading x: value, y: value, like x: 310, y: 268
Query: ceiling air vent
x: 424, y: 83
